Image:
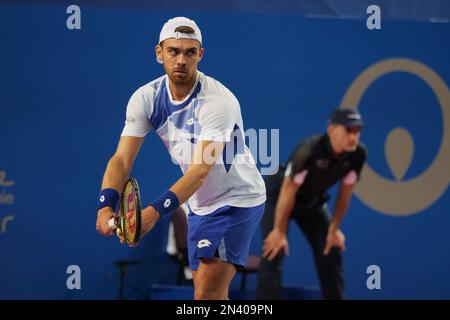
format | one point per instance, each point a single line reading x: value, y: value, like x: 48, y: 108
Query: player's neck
x: 179, y: 91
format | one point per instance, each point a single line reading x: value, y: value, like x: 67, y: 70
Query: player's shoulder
x: 315, y: 140
x: 144, y: 96
x: 216, y: 104
x: 212, y: 88
x: 209, y: 83
x: 312, y: 143
x: 150, y: 88
x: 306, y: 148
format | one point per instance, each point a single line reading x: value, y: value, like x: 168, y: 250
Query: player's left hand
x: 335, y: 238
x: 149, y: 218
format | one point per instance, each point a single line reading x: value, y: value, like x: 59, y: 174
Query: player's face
x: 345, y: 139
x: 180, y: 58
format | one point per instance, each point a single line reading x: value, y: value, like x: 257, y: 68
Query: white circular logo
x: 403, y: 197
x: 167, y: 203
x: 102, y: 198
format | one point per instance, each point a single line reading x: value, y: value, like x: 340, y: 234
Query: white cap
x: 168, y: 30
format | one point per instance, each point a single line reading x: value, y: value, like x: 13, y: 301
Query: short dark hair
x: 182, y: 29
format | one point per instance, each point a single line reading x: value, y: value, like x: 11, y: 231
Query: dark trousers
x: 314, y: 224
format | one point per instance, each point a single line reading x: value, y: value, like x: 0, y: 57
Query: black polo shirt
x: 324, y: 168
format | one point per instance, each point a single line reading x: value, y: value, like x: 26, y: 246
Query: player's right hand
x: 274, y: 243
x: 103, y: 217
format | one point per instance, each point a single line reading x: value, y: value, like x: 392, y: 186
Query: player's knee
x: 334, y: 257
x: 203, y: 294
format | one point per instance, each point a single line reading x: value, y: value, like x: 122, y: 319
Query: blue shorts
x: 226, y: 233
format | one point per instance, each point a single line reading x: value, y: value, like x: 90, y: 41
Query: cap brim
x: 356, y: 123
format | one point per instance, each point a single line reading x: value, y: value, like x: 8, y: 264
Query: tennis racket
x: 128, y: 217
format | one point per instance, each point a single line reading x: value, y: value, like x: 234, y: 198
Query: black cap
x: 347, y: 117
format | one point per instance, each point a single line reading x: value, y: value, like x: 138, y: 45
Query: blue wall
x: 62, y: 105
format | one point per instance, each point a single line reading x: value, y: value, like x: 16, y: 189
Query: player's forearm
x: 285, y: 204
x: 188, y: 184
x: 117, y: 172
x: 340, y: 209
x: 339, y: 213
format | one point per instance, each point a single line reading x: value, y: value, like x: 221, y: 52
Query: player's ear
x: 330, y: 129
x: 200, y: 53
x: 158, y: 52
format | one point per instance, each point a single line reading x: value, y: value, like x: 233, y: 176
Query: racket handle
x: 112, y: 224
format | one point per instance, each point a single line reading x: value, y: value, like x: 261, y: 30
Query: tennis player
x: 199, y: 120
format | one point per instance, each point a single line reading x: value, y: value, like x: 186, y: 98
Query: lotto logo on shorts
x: 203, y: 243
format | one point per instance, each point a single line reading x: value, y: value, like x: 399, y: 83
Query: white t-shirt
x: 210, y: 112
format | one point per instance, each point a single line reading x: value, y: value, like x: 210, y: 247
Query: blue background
x: 63, y: 95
